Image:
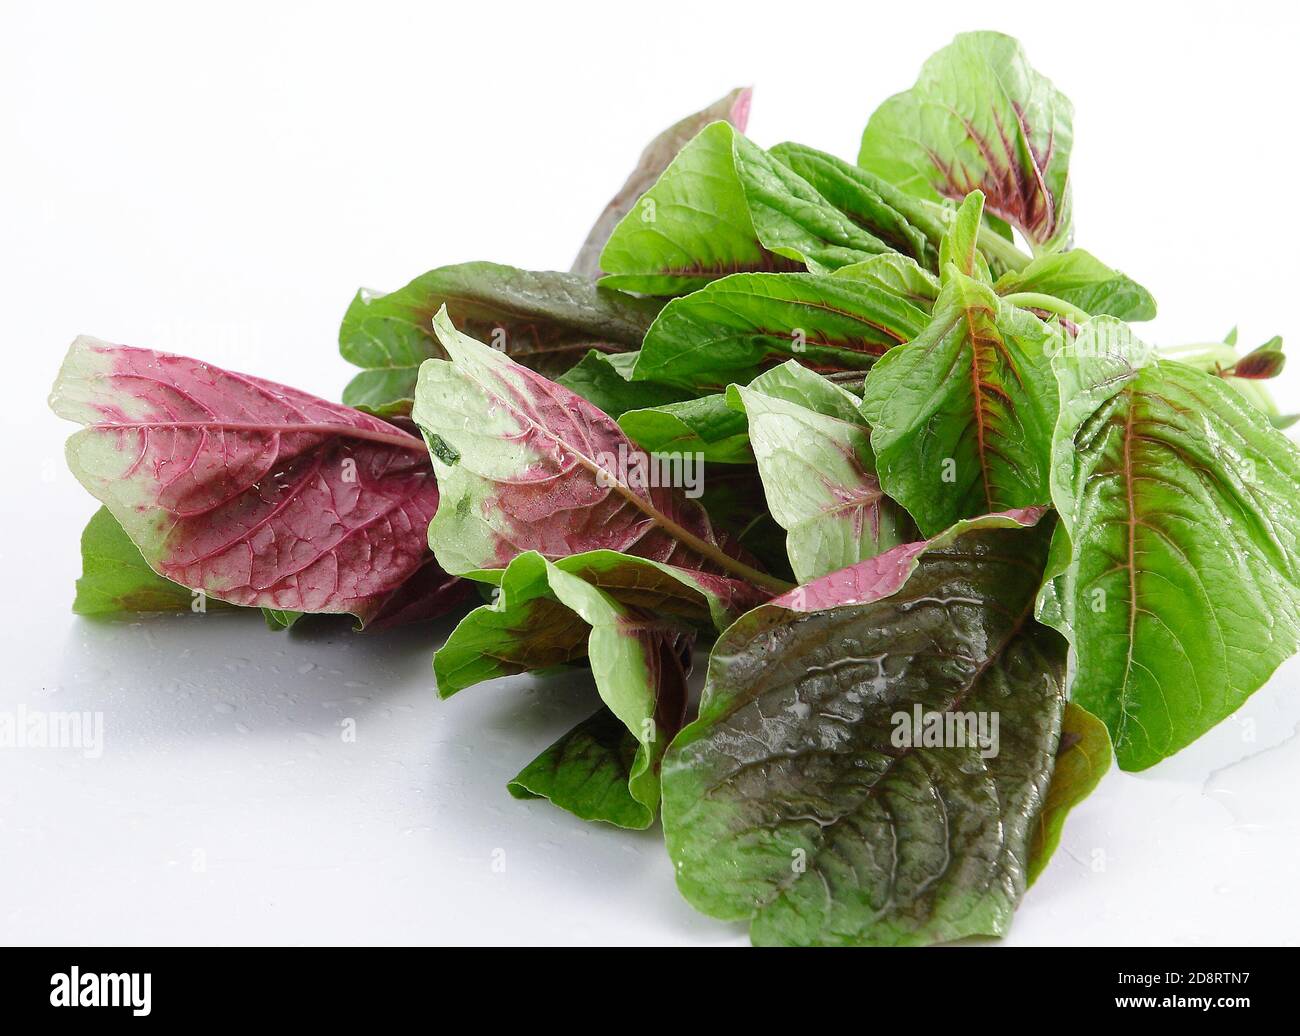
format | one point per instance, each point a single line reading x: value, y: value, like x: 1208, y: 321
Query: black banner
x: 152, y: 986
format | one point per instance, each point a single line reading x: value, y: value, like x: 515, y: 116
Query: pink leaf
x: 252, y: 492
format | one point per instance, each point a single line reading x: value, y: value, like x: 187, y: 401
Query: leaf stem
x: 1048, y: 303
x: 703, y: 547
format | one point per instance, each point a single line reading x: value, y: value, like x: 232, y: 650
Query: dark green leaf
x: 541, y: 618
x: 586, y: 772
x: 792, y: 802
x: 546, y: 321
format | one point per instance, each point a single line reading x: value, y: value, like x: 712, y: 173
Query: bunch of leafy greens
x: 872, y: 440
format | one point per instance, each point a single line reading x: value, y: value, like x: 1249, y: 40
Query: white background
x: 218, y: 180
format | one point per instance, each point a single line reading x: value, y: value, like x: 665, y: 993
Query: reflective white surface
x: 220, y: 185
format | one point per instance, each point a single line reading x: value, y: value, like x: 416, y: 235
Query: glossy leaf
x: 715, y: 426
x: 1081, y: 279
x: 962, y: 417
x: 1082, y: 759
x: 1221, y: 359
x: 733, y: 329
x: 256, y: 494
x: 527, y: 465
x: 546, y: 321
x: 979, y: 117
x: 725, y: 206
x: 734, y: 108
x: 1176, y: 573
x: 791, y: 803
x: 818, y: 471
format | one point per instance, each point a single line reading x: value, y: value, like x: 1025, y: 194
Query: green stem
x: 1048, y: 303
x: 995, y: 246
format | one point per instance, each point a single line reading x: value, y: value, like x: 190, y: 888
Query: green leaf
x: 546, y: 321
x: 1082, y: 759
x: 896, y: 275
x: 692, y: 226
x: 732, y: 329
x: 715, y: 428
x: 523, y: 464
x: 586, y: 772
x: 1081, y: 279
x: 725, y: 206
x: 604, y: 380
x: 539, y: 619
x: 979, y: 117
x: 793, y: 804
x: 280, y: 619
x: 734, y: 108
x: 705, y: 426
x: 1176, y: 572
x: 528, y: 627
x: 911, y: 227
x: 960, y: 244
x: 819, y: 474
x: 915, y: 226
x: 962, y: 417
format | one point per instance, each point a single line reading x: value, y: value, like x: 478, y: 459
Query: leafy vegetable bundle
x: 872, y: 440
